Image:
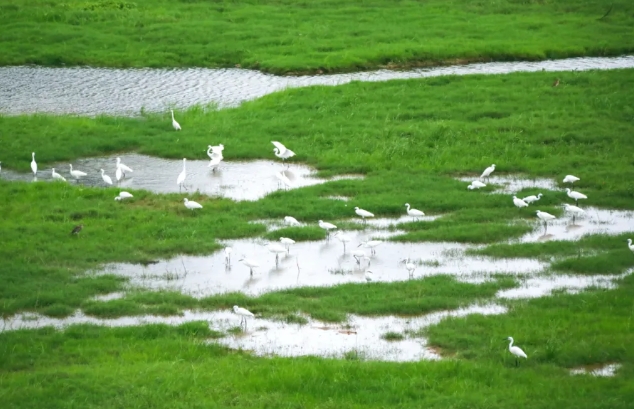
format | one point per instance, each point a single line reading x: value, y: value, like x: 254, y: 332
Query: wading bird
x: 363, y: 213
x: 123, y: 195
x: 360, y: 255
x: 575, y: 195
x: 343, y: 239
x: 371, y: 244
x: 570, y: 179
x: 545, y: 217
x: 517, y: 351
x: 33, y: 164
x: 77, y: 229
x: 327, y: 226
x: 519, y: 202
x: 215, y: 162
x: 574, y: 210
x: 123, y: 167
x: 244, y: 314
x: 476, y: 184
x: 291, y: 221
x: 276, y: 249
x: 249, y: 263
x: 190, y: 204
x: 287, y: 242
x: 630, y: 245
x: 213, y: 151
x: 281, y: 151
x: 176, y: 125
x: 228, y: 251
x: 413, y: 212
x: 410, y: 267
x: 76, y: 173
x: 487, y: 172
x: 533, y: 198
x: 180, y: 180
x: 106, y: 178
x: 57, y: 176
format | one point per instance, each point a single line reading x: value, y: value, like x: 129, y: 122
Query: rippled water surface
x: 93, y: 91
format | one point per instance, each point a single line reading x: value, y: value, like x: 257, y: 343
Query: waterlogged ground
x: 81, y: 90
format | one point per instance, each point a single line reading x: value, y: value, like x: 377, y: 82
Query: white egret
x: 575, y: 195
x: 363, y: 213
x: 0, y: 166
x: 118, y: 174
x: 123, y: 167
x: 371, y: 245
x: 413, y: 212
x: 519, y: 202
x: 76, y: 173
x: 343, y: 239
x: 190, y: 204
x: 215, y: 150
x: 532, y: 198
x: 360, y: 255
x: 276, y: 249
x: 576, y: 211
x: 228, y: 251
x: 630, y: 245
x: 287, y: 242
x: 290, y: 220
x: 57, y: 176
x: 180, y: 181
x: 33, y: 164
x: 249, y: 263
x: 476, y: 184
x: 215, y: 162
x: 123, y: 195
x: 327, y: 226
x: 244, y: 314
x: 286, y: 182
x: 176, y: 125
x: 516, y: 351
x: 570, y: 179
x: 106, y: 178
x: 281, y: 151
x: 410, y: 267
x: 487, y: 172
x: 369, y: 276
x: 545, y: 217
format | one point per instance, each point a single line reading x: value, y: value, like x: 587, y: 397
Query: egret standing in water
x: 33, y: 164
x: 413, y: 212
x: 574, y: 210
x: 244, y: 314
x: 327, y: 226
x: 76, y: 173
x: 213, y: 151
x: 410, y: 267
x: 57, y: 176
x: 575, y: 195
x: 363, y: 213
x: 371, y: 244
x: 360, y: 255
x: 487, y: 172
x: 228, y: 251
x: 516, y: 351
x: 180, y: 181
x: 249, y: 263
x: 176, y: 125
x: 343, y: 239
x: 123, y: 167
x: 190, y: 204
x: 545, y: 217
x: 281, y: 151
x: 276, y: 249
x: 287, y: 242
x: 106, y: 178
x: 571, y: 179
x: 519, y: 202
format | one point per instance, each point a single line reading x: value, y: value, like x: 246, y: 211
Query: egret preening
x: 249, y: 263
x: 327, y: 226
x: 545, y: 217
x: 343, y: 239
x: 244, y: 314
x: 516, y: 351
x: 369, y: 276
x: 213, y: 151
x: 176, y: 125
x: 533, y: 198
x: 413, y: 212
x: 76, y: 173
x: 287, y: 242
x: 363, y: 213
x: 575, y: 195
x: 630, y: 245
x: 487, y: 172
x: 276, y: 249
x: 228, y: 251
x: 576, y: 211
x: 123, y: 167
x: 214, y: 162
x: 33, y: 164
x: 371, y: 245
x: 180, y: 181
x: 360, y: 255
x: 57, y: 176
x: 570, y: 179
x: 77, y: 229
x: 281, y: 151
x: 291, y: 221
x: 190, y: 204
x: 106, y: 178
x: 476, y: 184
x: 519, y: 202
x: 123, y: 195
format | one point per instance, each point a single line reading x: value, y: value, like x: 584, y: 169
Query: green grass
x: 284, y: 36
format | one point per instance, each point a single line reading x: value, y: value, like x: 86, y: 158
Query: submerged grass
x: 308, y: 36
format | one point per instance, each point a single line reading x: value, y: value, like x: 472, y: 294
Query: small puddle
x: 608, y: 370
x: 237, y: 180
x: 316, y: 263
x: 361, y: 336
x: 512, y: 183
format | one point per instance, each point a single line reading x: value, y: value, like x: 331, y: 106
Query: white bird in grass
x: 180, y: 181
x: 413, y: 212
x: 123, y: 167
x: 327, y: 226
x: 57, y: 176
x: 244, y: 314
x: 363, y: 213
x: 76, y: 173
x: 476, y: 184
x: 281, y: 151
x: 287, y: 242
x: 570, y: 179
x: 33, y: 164
x: 343, y: 239
x: 532, y: 198
x: 519, y: 202
x: 545, y: 217
x: 249, y: 263
x: 190, y: 204
x: 630, y: 245
x: 487, y: 172
x: 290, y: 220
x: 106, y: 178
x: 517, y: 351
x: 123, y: 195
x: 176, y: 125
x: 575, y: 195
x: 371, y: 245
x: 360, y: 255
x: 228, y: 251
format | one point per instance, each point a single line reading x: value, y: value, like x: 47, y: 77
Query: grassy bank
x: 284, y: 36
